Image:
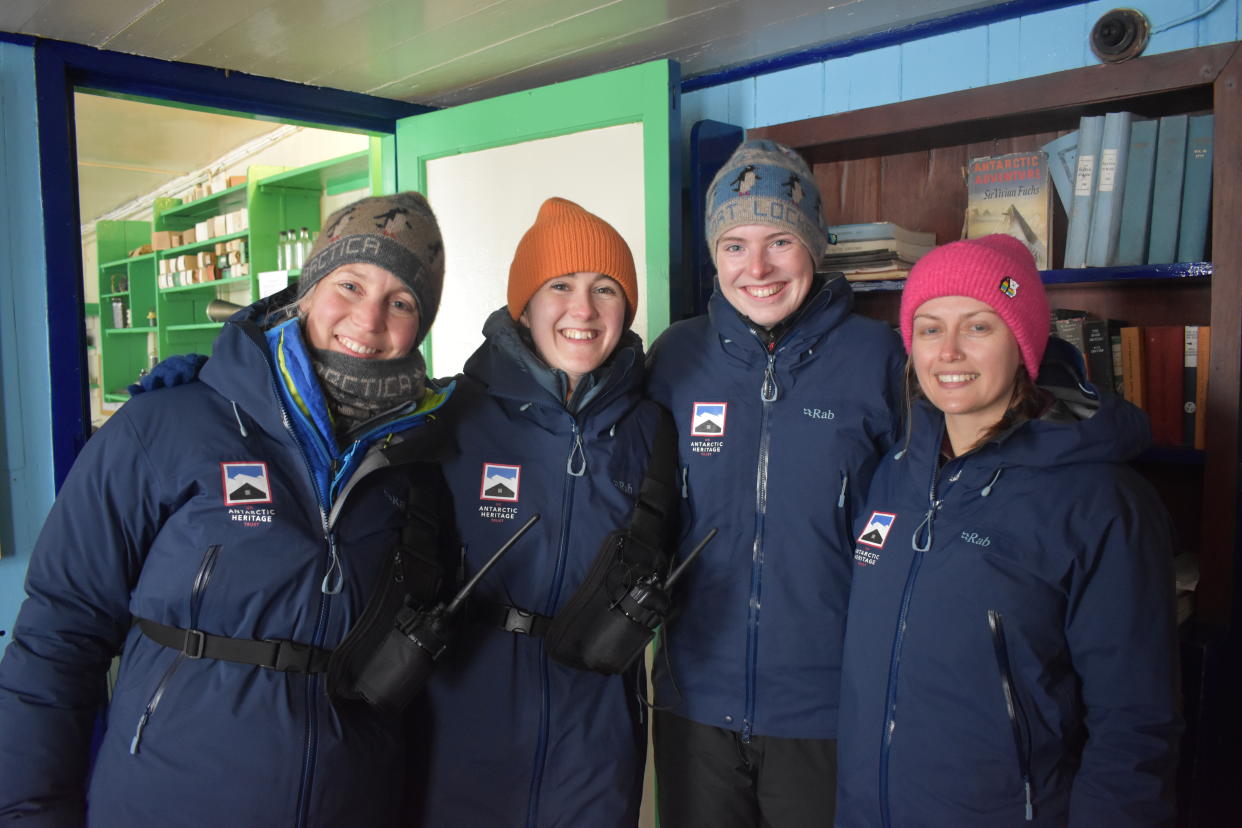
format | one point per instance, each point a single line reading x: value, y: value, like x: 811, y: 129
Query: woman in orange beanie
x: 551, y: 421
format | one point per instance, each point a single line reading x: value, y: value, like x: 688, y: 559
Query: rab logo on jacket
x: 500, y: 483
x: 246, y: 485
x: 874, y: 535
x: 707, y: 420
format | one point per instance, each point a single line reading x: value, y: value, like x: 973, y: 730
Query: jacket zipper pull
x: 924, y: 530
x: 685, y: 482
x: 770, y: 392
x: 334, y: 578
x: 845, y: 481
x: 576, y: 451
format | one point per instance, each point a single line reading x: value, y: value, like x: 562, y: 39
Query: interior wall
x: 480, y: 235
x: 1022, y: 47
x: 26, y: 489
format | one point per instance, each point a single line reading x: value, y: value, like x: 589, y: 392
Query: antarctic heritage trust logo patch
x: 501, y: 485
x: 874, y: 535
x: 245, y: 483
x: 707, y: 427
x: 246, y: 489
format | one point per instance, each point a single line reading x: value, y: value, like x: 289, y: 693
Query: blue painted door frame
x: 60, y: 69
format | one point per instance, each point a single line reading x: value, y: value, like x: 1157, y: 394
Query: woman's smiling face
x: 576, y: 321
x: 966, y: 360
x: 361, y: 309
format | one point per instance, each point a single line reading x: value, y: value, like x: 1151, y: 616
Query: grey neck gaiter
x: 360, y: 390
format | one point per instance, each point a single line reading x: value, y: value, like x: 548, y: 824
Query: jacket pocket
x: 1013, y: 708
x: 201, y: 578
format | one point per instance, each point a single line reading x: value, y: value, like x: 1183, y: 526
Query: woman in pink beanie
x: 1010, y: 650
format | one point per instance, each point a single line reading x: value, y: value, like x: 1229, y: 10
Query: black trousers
x: 707, y: 777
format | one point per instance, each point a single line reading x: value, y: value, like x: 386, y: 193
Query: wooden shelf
x: 201, y: 245
x: 200, y: 326
x: 1192, y: 271
x: 339, y: 175
x: 234, y: 280
x: 128, y: 261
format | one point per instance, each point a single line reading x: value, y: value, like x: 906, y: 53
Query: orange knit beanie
x: 567, y: 239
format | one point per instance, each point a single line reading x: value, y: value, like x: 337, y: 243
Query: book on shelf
x: 1190, y: 381
x: 1136, y: 201
x: 880, y: 230
x: 1203, y: 366
x: 1166, y: 199
x: 1132, y: 364
x: 1090, y: 135
x: 879, y: 248
x: 1062, y: 161
x: 875, y: 251
x: 1196, y: 190
x: 878, y: 275
x: 1163, y: 366
x: 1011, y: 194
x: 1118, y: 373
x: 1098, y: 335
x: 1105, y: 226
x: 1068, y: 324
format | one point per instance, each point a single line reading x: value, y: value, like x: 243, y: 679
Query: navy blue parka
x: 1010, y: 657
x: 777, y: 443
x: 519, y: 739
x: 217, y: 505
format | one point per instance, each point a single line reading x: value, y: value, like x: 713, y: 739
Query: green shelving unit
x: 275, y: 198
x: 126, y: 290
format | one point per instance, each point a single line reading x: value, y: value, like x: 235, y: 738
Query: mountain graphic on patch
x: 245, y: 483
x: 877, y: 529
x: 247, y: 491
x: 500, y: 482
x: 708, y: 419
x: 501, y: 492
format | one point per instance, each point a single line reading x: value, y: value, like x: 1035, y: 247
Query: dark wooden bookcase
x: 905, y: 163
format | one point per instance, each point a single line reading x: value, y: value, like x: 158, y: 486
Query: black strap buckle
x: 519, y: 621
x: 195, y: 642
x: 291, y: 657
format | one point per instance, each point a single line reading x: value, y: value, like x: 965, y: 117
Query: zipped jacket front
x: 777, y: 443
x: 1010, y: 657
x: 201, y: 507
x: 518, y: 738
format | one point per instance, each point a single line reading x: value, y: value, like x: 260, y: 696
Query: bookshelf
x: 275, y: 198
x: 904, y: 163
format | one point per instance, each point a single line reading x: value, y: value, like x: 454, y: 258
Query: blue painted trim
x: 878, y: 40
x: 711, y: 144
x: 1178, y: 271
x: 220, y: 89
x: 60, y: 68
x: 19, y: 39
x: 63, y: 256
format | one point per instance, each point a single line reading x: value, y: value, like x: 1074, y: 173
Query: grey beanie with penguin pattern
x: 396, y: 232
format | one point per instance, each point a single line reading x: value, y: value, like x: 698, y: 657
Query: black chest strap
x: 275, y: 654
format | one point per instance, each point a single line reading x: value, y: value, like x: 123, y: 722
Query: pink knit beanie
x: 997, y: 270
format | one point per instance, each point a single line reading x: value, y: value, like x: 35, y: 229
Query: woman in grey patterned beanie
x: 226, y: 535
x: 369, y: 292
